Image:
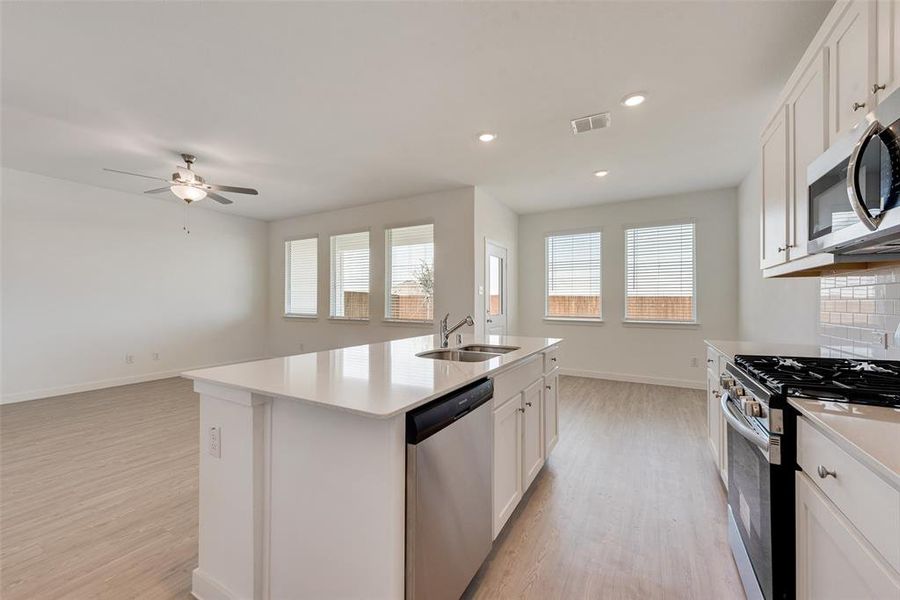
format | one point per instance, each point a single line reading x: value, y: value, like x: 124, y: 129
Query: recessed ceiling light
x: 486, y: 137
x: 601, y: 173
x: 634, y: 99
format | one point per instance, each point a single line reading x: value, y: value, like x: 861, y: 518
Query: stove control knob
x: 752, y: 408
x: 726, y: 382
x: 738, y: 390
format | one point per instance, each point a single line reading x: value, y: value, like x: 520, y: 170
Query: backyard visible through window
x: 573, y: 275
x: 410, y: 273
x: 350, y: 275
x: 660, y: 273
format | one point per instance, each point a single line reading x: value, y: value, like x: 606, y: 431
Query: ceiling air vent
x: 590, y: 123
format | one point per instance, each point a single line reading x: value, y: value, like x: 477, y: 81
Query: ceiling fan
x: 189, y: 186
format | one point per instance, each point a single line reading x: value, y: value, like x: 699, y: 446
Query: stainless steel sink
x: 488, y: 348
x: 458, y: 355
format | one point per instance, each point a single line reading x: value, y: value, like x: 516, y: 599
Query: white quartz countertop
x: 871, y: 434
x: 379, y: 380
x: 732, y: 348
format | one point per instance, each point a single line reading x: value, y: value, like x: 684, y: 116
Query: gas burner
x: 867, y: 367
x: 789, y: 363
x: 874, y: 382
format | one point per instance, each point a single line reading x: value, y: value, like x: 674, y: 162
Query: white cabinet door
x: 808, y: 139
x: 887, y: 76
x: 533, y: 434
x: 833, y: 561
x: 551, y: 411
x: 850, y: 51
x: 507, y: 460
x: 774, y: 220
x: 713, y: 416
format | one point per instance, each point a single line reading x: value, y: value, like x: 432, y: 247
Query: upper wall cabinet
x: 851, y: 46
x: 887, y: 32
x: 774, y: 222
x: 852, y: 63
x: 807, y: 139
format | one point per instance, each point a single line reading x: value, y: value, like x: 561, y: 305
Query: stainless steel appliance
x: 449, y: 454
x: 762, y: 452
x: 854, y: 188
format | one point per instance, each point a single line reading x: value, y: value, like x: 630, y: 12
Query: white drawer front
x: 865, y: 499
x: 551, y: 359
x: 513, y: 381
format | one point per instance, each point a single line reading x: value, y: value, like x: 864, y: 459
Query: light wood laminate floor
x: 98, y: 499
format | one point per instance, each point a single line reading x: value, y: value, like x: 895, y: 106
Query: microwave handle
x: 853, y: 191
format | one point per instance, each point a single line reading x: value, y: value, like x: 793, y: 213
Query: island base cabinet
x: 551, y: 411
x: 533, y: 434
x: 507, y: 461
x: 833, y: 560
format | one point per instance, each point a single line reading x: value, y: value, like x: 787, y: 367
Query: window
x: 301, y: 277
x: 573, y: 275
x: 659, y: 273
x: 350, y: 275
x: 410, y: 273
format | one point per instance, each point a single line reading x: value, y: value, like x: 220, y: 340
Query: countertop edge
x: 891, y: 477
x: 376, y: 415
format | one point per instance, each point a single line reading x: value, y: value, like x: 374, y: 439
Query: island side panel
x: 233, y: 494
x: 337, y: 503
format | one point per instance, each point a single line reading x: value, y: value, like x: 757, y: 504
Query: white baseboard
x: 681, y: 383
x: 203, y: 587
x: 103, y: 383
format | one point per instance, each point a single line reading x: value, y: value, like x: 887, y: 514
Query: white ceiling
x: 324, y: 105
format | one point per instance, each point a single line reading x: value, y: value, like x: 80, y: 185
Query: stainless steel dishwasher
x: 448, y: 492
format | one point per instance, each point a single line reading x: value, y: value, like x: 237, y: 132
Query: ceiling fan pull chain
x: 187, y: 225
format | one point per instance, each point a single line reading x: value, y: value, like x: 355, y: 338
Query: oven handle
x: 741, y: 426
x: 853, y: 191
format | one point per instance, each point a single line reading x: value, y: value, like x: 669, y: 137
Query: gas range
x: 875, y: 382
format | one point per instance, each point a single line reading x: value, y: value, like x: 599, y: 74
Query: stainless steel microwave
x: 854, y: 188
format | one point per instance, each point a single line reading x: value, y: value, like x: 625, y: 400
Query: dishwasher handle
x: 427, y: 420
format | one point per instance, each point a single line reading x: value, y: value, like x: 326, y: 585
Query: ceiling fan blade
x: 232, y: 189
x: 218, y: 198
x: 158, y: 190
x: 135, y: 174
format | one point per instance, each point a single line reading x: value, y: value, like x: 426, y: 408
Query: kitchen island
x: 303, y: 461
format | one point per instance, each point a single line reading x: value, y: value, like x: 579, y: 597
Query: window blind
x: 573, y: 275
x: 350, y: 275
x: 301, y: 277
x: 659, y: 273
x: 410, y: 273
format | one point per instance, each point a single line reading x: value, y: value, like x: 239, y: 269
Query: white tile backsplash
x: 857, y: 309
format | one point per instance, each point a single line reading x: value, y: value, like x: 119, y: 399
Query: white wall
x: 90, y: 275
x: 771, y: 310
x: 653, y: 354
x: 452, y: 213
x: 495, y: 222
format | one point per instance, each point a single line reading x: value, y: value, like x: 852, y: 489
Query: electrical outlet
x: 882, y: 338
x: 129, y: 359
x: 695, y: 362
x: 214, y: 439
x: 156, y: 356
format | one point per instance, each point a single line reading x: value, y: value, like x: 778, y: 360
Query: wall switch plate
x: 214, y: 442
x: 129, y: 359
x: 156, y: 356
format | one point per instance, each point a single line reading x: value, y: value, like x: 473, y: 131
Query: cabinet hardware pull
x: 709, y: 361
x: 823, y: 472
x: 528, y: 404
x: 717, y: 393
x: 520, y: 409
x: 549, y: 387
x: 878, y: 87
x: 858, y: 105
x: 553, y: 359
x: 781, y: 249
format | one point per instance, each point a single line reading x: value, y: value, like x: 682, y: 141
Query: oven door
x: 757, y: 504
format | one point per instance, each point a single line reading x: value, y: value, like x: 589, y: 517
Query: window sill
x: 301, y: 317
x: 662, y: 324
x: 348, y: 319
x: 575, y: 320
x: 408, y: 322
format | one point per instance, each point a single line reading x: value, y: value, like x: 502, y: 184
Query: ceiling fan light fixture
x: 188, y: 193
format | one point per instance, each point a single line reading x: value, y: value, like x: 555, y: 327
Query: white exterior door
x: 495, y: 300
